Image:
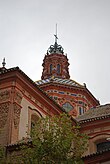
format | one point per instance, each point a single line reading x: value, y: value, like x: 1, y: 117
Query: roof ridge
x: 61, y: 81
x: 76, y: 82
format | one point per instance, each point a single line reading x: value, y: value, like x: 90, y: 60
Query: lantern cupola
x: 55, y: 63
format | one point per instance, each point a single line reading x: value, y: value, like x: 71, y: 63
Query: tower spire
x: 56, y: 34
x: 55, y: 48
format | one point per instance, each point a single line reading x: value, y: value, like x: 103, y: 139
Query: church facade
x: 23, y: 102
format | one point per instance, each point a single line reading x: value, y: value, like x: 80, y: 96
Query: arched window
x: 81, y: 110
x: 50, y: 68
x: 67, y: 106
x: 34, y: 119
x: 58, y: 68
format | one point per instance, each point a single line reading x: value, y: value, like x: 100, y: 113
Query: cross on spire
x: 55, y: 48
x: 3, y: 63
x: 56, y: 35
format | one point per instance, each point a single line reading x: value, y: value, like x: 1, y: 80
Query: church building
x: 23, y: 102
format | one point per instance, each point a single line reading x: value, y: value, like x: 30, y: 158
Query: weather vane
x: 3, y: 63
x: 55, y: 48
x: 56, y: 35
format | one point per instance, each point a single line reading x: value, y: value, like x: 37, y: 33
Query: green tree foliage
x: 54, y: 141
x: 2, y: 155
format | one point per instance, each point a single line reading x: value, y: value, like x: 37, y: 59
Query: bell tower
x: 73, y: 97
x: 55, y: 63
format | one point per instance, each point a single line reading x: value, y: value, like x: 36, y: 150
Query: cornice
x: 94, y: 119
x: 96, y: 154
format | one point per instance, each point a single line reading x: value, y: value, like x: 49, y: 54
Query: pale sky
x: 27, y: 29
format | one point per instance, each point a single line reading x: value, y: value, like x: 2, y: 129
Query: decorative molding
x: 17, y: 111
x: 18, y: 97
x: 36, y: 111
x: 30, y: 97
x: 102, y: 129
x: 92, y: 130
x: 4, y: 95
x: 4, y: 108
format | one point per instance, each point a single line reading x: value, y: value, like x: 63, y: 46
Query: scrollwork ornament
x: 4, y: 108
x: 4, y: 95
x: 18, y: 98
x: 17, y: 111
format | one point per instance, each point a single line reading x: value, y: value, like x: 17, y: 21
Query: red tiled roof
x: 99, y: 112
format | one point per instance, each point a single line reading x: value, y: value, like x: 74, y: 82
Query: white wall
x: 24, y: 118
